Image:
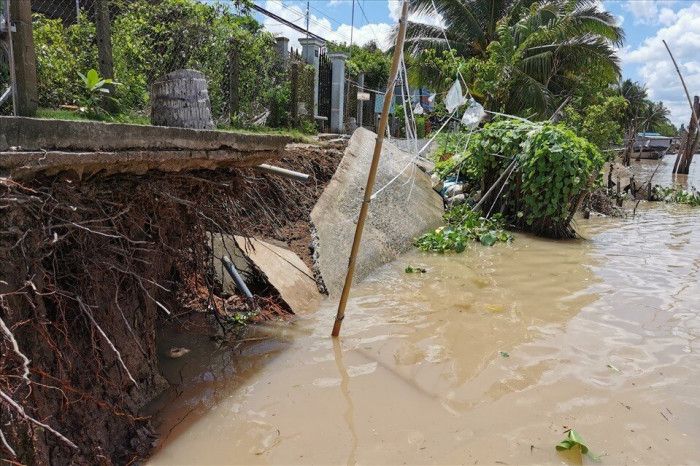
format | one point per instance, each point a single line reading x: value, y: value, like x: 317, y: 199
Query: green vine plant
x: 541, y: 172
x: 676, y: 195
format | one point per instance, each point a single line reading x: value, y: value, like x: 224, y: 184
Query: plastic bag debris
x: 473, y: 114
x: 418, y: 110
x: 454, y: 97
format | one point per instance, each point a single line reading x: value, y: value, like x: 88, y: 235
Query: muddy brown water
x: 487, y: 358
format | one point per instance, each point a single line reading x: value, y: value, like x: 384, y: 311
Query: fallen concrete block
x: 283, y: 269
x: 403, y: 211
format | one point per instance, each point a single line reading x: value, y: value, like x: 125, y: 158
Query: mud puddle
x: 486, y: 358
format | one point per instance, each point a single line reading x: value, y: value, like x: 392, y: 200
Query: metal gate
x: 325, y: 83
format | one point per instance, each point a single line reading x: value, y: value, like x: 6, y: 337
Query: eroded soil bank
x: 92, y: 267
x: 487, y: 358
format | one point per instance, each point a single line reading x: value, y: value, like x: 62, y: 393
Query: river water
x: 485, y: 359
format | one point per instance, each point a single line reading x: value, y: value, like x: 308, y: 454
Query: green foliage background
x: 151, y: 39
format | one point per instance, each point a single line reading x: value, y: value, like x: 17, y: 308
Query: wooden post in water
x: 685, y: 154
x: 381, y: 131
x: 690, y: 144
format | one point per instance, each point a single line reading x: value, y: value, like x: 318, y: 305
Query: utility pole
x: 352, y: 25
x: 371, y: 178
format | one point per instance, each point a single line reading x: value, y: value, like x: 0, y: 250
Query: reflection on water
x: 486, y: 358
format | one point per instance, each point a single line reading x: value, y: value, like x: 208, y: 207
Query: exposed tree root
x: 89, y: 268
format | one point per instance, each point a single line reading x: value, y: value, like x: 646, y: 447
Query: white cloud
x: 426, y: 18
x: 656, y: 68
x: 650, y: 11
x: 321, y: 26
x: 667, y: 16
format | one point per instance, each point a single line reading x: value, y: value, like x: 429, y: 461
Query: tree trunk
x: 181, y: 99
x: 629, y: 147
x: 25, y: 58
x: 104, y: 49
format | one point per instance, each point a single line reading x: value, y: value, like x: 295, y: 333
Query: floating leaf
x: 572, y: 440
x: 488, y: 239
x: 504, y: 354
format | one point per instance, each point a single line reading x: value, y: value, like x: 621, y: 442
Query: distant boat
x: 652, y: 145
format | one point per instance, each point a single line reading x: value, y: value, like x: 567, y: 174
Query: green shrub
x: 554, y: 168
x: 451, y: 153
x: 151, y: 39
x: 420, y: 126
x: 279, y: 97
x: 60, y: 52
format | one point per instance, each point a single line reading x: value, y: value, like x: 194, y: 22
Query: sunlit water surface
x: 487, y: 358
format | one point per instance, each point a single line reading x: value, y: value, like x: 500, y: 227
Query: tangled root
x: 89, y: 267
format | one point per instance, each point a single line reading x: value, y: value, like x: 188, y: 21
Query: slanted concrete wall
x: 394, y: 220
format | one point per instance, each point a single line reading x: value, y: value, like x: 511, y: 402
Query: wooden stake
x: 381, y: 131
x: 692, y: 135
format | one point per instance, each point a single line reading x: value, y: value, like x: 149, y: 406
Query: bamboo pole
x: 381, y: 131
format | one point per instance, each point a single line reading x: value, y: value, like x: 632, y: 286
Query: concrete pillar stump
x: 338, y: 92
x: 282, y: 46
x: 311, y: 52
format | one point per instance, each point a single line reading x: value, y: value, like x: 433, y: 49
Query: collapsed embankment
x: 92, y: 265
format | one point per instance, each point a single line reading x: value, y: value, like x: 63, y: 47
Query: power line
x: 374, y: 33
x: 326, y: 15
x: 290, y: 24
x: 312, y: 20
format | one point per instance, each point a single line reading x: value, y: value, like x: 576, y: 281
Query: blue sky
x: 644, y: 58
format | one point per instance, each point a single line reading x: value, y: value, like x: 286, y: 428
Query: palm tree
x: 470, y: 25
x: 636, y: 96
x: 534, y: 50
x: 637, y: 106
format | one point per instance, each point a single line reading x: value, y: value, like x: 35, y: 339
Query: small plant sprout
x: 96, y: 92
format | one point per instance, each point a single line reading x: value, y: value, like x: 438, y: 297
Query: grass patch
x: 72, y: 115
x: 294, y: 134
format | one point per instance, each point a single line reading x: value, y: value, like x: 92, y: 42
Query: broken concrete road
x: 30, y: 145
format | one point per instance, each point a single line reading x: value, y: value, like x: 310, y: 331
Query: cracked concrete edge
x: 34, y: 134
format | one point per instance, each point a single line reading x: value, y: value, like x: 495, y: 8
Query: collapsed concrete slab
x: 283, y: 269
x: 403, y: 211
x: 31, y: 145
